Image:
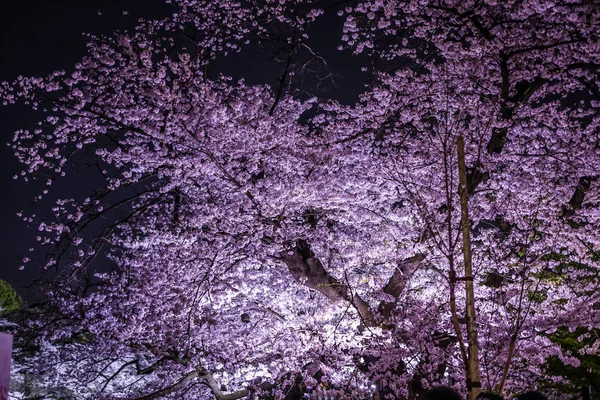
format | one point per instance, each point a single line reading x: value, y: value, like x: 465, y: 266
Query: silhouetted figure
x: 533, y: 395
x: 488, y: 396
x: 440, y: 393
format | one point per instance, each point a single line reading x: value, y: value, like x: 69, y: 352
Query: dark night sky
x: 37, y: 38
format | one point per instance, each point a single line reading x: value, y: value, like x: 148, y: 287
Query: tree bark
x: 473, y: 370
x: 310, y: 272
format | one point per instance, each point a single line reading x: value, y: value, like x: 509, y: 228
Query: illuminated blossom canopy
x: 270, y: 243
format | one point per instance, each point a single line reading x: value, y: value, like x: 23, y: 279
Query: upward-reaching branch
x: 473, y: 376
x: 308, y: 270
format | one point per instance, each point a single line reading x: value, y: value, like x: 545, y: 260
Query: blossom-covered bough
x: 270, y: 246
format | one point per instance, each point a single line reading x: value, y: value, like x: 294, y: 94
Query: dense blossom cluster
x: 270, y: 244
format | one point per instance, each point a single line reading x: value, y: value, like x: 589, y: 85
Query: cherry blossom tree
x: 268, y: 245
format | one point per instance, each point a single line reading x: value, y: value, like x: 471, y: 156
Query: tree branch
x: 199, y: 373
x: 309, y: 271
x: 578, y: 196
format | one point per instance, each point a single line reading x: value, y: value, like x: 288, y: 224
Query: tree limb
x: 309, y: 271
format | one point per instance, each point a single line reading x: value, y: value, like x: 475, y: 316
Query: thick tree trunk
x: 473, y: 370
